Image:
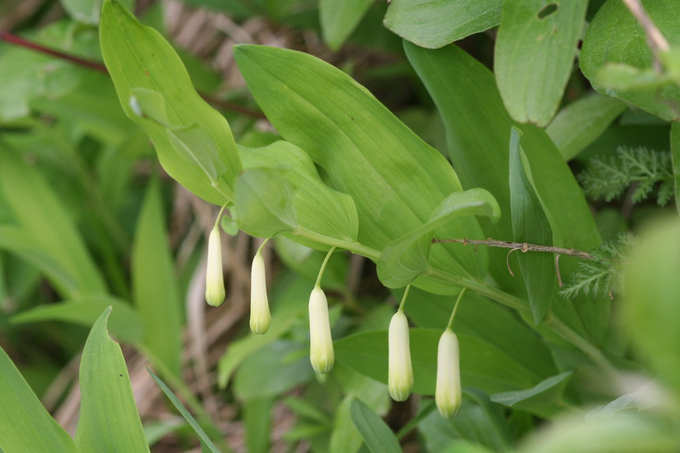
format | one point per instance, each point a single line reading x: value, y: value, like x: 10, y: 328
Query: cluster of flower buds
x: 260, y: 318
x: 448, y: 393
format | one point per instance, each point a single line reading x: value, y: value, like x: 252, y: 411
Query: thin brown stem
x: 96, y: 66
x: 656, y: 41
x: 522, y: 246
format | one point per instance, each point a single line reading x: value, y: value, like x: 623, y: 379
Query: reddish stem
x: 21, y: 42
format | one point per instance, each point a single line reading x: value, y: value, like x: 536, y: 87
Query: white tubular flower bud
x: 260, y: 318
x: 448, y: 393
x: 400, y: 371
x: 321, y: 351
x: 214, y: 280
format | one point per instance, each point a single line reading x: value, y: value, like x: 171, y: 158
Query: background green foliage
x: 370, y: 128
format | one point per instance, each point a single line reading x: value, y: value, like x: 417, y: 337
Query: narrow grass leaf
x: 205, y: 440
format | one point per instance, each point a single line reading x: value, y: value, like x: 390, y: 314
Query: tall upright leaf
x: 530, y: 224
x: 138, y: 57
x: 534, y: 55
x: 25, y: 425
x: 155, y: 291
x: 43, y: 218
x: 478, y: 130
x: 366, y: 151
x: 108, y: 420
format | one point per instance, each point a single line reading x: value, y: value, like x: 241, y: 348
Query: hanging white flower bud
x: 260, y: 318
x: 214, y: 280
x: 448, y: 393
x: 321, y: 343
x: 400, y: 371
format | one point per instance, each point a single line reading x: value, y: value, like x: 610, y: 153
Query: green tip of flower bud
x: 321, y: 352
x: 448, y: 392
x: 260, y: 318
x: 214, y: 280
x: 400, y: 371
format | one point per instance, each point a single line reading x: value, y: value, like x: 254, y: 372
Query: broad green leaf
x: 155, y: 290
x: 25, y: 425
x: 479, y: 422
x: 377, y: 435
x: 478, y: 129
x: 108, y: 420
x: 205, y: 440
x: 483, y: 364
x: 542, y: 399
x: 197, y: 146
x: 530, y: 224
x: 273, y: 370
x: 338, y: 19
x: 257, y: 418
x: 317, y: 207
x: 45, y: 221
x: 615, y: 38
x: 138, y: 57
x: 18, y: 242
x: 405, y: 259
x: 580, y: 123
x: 624, y: 433
x: 124, y: 322
x: 193, y: 143
x: 436, y: 23
x: 264, y: 202
x: 345, y: 437
x: 675, y: 157
x: 88, y: 10
x: 289, y: 303
x: 150, y: 104
x: 534, y: 55
x: 652, y: 292
x: 366, y: 151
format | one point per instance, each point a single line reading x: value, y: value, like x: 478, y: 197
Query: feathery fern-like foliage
x: 645, y: 169
x: 600, y: 275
